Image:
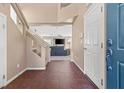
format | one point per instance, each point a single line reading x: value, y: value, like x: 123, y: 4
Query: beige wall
x: 15, y: 45
x: 77, y: 45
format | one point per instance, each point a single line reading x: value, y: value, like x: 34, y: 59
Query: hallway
x: 32, y: 41
x: 58, y: 75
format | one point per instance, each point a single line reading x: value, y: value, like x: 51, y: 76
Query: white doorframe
x: 5, y: 49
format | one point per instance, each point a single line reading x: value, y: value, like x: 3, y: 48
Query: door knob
x: 109, y: 42
x: 109, y: 68
x: 109, y: 52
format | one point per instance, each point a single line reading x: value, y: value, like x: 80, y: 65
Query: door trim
x: 105, y: 45
x: 5, y: 64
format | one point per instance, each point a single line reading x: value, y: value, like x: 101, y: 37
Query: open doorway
x: 58, y: 36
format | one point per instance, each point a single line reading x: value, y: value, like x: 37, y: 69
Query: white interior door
x: 3, y: 49
x: 93, y: 44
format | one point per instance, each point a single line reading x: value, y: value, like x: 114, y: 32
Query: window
x: 16, y: 19
x: 20, y: 25
x: 13, y: 15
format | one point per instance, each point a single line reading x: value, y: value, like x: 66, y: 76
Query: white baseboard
x: 77, y: 65
x: 72, y: 60
x: 13, y: 78
x: 42, y: 68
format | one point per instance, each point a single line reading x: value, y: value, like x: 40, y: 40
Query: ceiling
x: 40, y: 12
x: 49, y: 13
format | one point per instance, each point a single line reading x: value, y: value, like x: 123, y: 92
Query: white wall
x: 49, y: 30
x: 77, y: 45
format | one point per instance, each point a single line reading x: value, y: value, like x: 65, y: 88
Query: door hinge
x: 101, y: 9
x: 102, y: 82
x: 3, y: 76
x: 101, y: 45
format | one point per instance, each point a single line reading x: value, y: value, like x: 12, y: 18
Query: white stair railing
x: 38, y: 39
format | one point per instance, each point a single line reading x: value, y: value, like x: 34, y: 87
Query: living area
x: 59, y: 38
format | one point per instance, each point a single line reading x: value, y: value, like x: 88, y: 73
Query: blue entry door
x: 115, y: 46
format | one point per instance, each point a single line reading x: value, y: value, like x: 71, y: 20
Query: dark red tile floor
x: 58, y: 75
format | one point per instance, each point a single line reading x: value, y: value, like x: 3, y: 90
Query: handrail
x: 41, y: 40
x: 37, y: 38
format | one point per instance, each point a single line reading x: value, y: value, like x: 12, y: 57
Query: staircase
x: 38, y: 55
